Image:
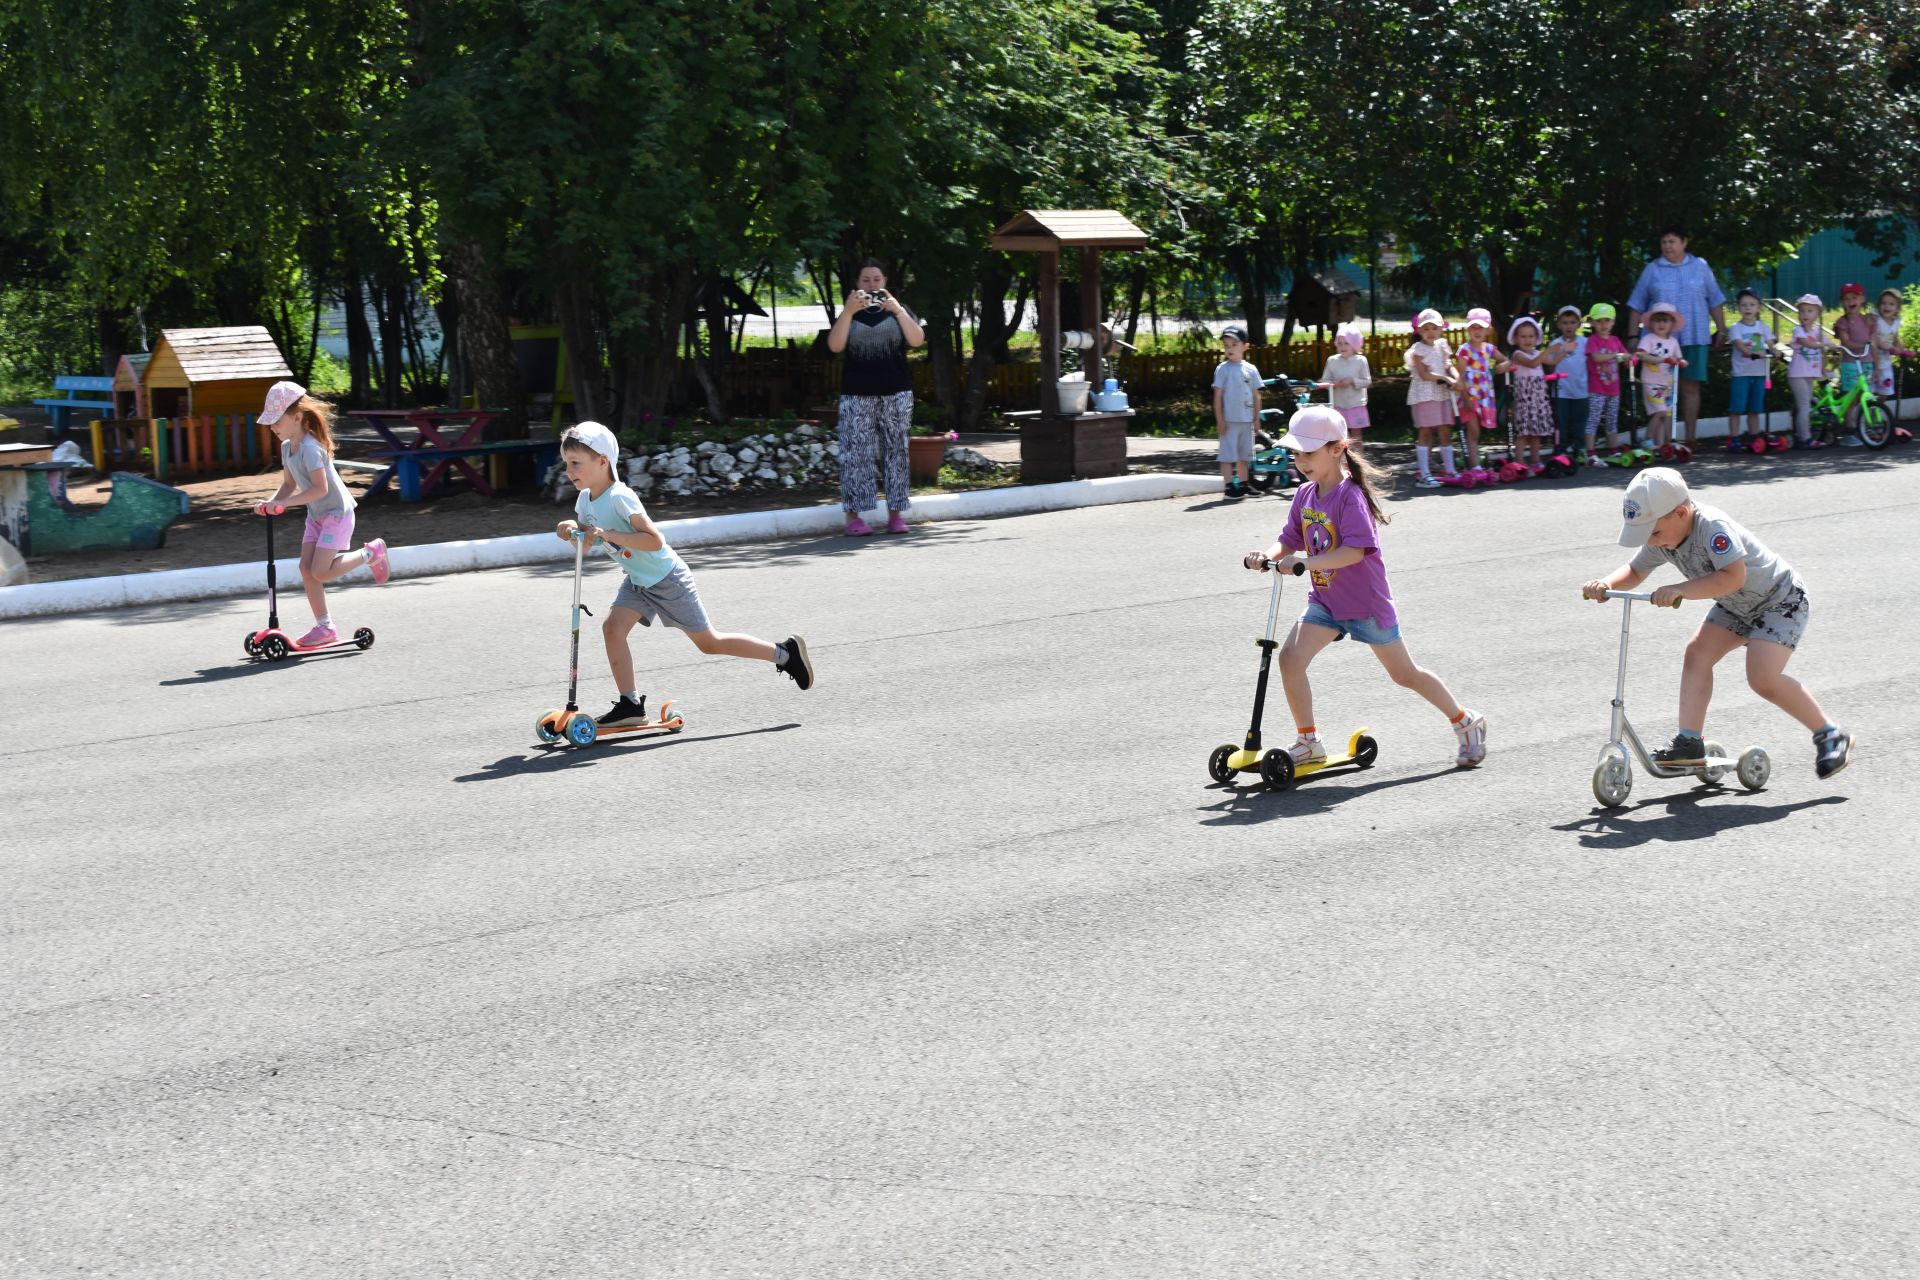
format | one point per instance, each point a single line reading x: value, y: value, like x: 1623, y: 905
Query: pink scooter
x: 273, y: 644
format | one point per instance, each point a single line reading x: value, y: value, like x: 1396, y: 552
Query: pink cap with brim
x: 1427, y: 317
x: 281, y: 396
x: 594, y: 436
x: 1313, y: 426
x: 1480, y: 315
x: 1810, y: 300
x: 1665, y: 309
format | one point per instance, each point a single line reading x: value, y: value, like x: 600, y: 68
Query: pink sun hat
x: 1427, y: 317
x: 281, y: 396
x: 1514, y: 328
x: 1480, y: 316
x: 1665, y: 309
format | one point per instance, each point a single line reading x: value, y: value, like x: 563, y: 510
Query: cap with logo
x: 1654, y: 493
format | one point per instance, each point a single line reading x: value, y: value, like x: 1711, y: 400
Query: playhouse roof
x: 225, y: 355
x: 1069, y: 228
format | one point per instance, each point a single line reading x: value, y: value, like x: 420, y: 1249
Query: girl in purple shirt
x: 1332, y: 528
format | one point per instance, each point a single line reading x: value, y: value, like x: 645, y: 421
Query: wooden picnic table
x: 428, y: 425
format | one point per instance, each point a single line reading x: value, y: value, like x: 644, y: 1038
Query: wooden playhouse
x: 195, y: 372
x: 191, y: 408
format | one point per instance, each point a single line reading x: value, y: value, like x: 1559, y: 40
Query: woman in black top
x: 876, y: 397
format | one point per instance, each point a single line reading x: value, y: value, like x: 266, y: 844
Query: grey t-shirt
x: 1238, y: 385
x: 310, y: 465
x: 1716, y: 542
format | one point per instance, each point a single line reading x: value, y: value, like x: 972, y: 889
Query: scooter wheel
x: 274, y: 649
x: 1276, y: 770
x: 1365, y: 752
x: 1262, y: 481
x: 1217, y: 767
x: 1754, y: 768
x: 547, y: 727
x: 671, y: 719
x: 1612, y: 780
x: 581, y: 730
x: 253, y: 650
x: 363, y: 638
x: 1712, y: 774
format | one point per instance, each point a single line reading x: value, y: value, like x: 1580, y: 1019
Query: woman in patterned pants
x: 873, y: 331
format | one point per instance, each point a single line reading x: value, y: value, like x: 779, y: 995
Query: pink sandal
x: 857, y: 528
x: 896, y: 523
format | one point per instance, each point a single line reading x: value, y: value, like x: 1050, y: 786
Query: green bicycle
x: 1838, y: 414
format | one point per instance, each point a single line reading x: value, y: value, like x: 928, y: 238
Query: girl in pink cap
x: 1333, y: 529
x: 1476, y: 360
x: 304, y: 426
x: 1348, y: 376
x: 1430, y: 394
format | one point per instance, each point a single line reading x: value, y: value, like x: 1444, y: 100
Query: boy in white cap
x: 657, y: 582
x: 1759, y: 602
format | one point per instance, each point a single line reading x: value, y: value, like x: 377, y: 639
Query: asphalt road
x: 958, y: 965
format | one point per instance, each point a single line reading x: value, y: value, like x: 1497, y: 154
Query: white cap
x: 596, y: 437
x: 1313, y: 426
x: 1654, y: 493
x: 281, y: 396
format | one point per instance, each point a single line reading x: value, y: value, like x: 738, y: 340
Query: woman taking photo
x: 873, y: 331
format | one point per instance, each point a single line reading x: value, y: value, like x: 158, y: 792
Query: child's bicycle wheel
x: 1872, y: 423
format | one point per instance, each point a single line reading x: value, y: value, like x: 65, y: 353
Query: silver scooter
x: 1613, y: 776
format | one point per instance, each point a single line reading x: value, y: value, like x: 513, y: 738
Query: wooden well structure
x: 1056, y: 445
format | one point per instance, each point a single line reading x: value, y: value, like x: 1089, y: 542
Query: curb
x: 79, y: 594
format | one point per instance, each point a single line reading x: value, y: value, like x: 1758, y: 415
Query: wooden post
x: 1048, y: 324
x: 99, y: 446
x: 1090, y: 312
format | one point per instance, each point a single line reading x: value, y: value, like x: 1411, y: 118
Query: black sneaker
x: 1235, y: 489
x: 1684, y: 752
x: 625, y: 712
x: 797, y: 664
x: 1832, y: 748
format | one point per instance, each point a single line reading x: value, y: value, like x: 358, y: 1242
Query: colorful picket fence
x: 207, y: 444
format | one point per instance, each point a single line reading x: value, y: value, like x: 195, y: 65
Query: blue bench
x: 60, y: 406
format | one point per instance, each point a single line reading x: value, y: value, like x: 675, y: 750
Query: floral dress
x: 1476, y: 385
x: 1532, y: 414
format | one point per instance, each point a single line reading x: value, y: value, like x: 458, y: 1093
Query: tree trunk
x: 1136, y: 290
x: 359, y: 341
x: 650, y: 350
x: 1253, y: 295
x: 110, y: 330
x: 486, y: 342
x: 393, y: 347
x: 941, y: 334
x: 586, y: 373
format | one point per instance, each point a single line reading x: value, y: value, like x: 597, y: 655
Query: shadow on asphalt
x: 240, y: 670
x: 1686, y: 816
x: 1246, y: 804
x: 556, y: 758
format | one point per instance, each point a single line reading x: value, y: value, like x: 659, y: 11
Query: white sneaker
x: 1472, y: 733
x: 1427, y: 482
x: 1307, y: 751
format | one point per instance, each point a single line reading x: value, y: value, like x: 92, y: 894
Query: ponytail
x: 1370, y: 479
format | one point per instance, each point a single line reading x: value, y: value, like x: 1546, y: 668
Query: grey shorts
x: 1783, y: 624
x: 674, y: 600
x: 1236, y: 444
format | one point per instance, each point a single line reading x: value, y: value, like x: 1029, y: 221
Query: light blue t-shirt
x: 614, y: 509
x: 1238, y: 384
x: 1574, y: 385
x: 1691, y: 289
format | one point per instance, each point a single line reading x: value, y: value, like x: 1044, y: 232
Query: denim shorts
x: 1749, y: 395
x: 1365, y: 630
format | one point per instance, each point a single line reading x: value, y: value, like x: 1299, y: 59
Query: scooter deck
x: 667, y: 721
x: 361, y: 639
x: 1249, y: 762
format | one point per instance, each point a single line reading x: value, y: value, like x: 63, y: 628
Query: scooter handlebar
x: 1267, y: 565
x: 1646, y: 596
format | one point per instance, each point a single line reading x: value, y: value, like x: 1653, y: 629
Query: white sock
x: 1420, y: 452
x: 326, y: 622
x: 779, y: 654
x: 1446, y: 456
x: 632, y: 695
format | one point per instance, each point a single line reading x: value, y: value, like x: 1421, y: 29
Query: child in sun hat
x: 1532, y: 413
x: 1430, y: 393
x: 1333, y: 529
x: 1807, y: 366
x: 1660, y: 358
x: 1475, y: 361
x: 1759, y: 603
x: 1567, y: 356
x: 1606, y: 359
x: 655, y: 582
x: 304, y: 426
x: 1348, y: 376
x: 1886, y: 339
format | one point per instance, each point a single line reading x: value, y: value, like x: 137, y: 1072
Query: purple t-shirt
x: 1341, y: 519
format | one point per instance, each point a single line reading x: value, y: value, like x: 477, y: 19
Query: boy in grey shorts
x: 1236, y: 407
x: 655, y: 582
x: 1759, y: 602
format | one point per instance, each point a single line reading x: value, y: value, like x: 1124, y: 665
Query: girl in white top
x: 1348, y: 374
x: 304, y: 426
x: 1809, y: 363
x: 1430, y: 393
x: 1886, y: 339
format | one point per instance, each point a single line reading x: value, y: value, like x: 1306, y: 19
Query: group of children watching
x: 1590, y: 369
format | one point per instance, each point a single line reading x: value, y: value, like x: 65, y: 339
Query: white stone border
x: 72, y: 596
